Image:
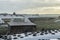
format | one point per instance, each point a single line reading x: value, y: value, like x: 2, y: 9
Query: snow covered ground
x: 37, y: 37
x: 30, y: 36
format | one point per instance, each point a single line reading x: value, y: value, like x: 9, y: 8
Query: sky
x: 30, y: 6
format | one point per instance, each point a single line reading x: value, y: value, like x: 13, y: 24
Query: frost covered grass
x: 46, y: 24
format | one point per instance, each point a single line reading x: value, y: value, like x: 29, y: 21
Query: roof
x: 20, y: 23
x: 1, y: 21
x: 57, y: 20
x: 10, y: 16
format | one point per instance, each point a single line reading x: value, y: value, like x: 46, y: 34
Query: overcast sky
x: 27, y: 6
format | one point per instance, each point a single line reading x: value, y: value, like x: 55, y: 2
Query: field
x: 46, y: 24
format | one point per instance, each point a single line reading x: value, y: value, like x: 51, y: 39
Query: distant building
x: 17, y: 23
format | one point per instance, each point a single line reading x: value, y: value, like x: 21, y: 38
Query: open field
x: 46, y: 24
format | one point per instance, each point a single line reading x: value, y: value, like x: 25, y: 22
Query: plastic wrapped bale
x: 9, y: 37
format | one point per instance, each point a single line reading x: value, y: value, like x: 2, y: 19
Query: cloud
x: 18, y: 5
x: 37, y: 1
x: 41, y: 10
